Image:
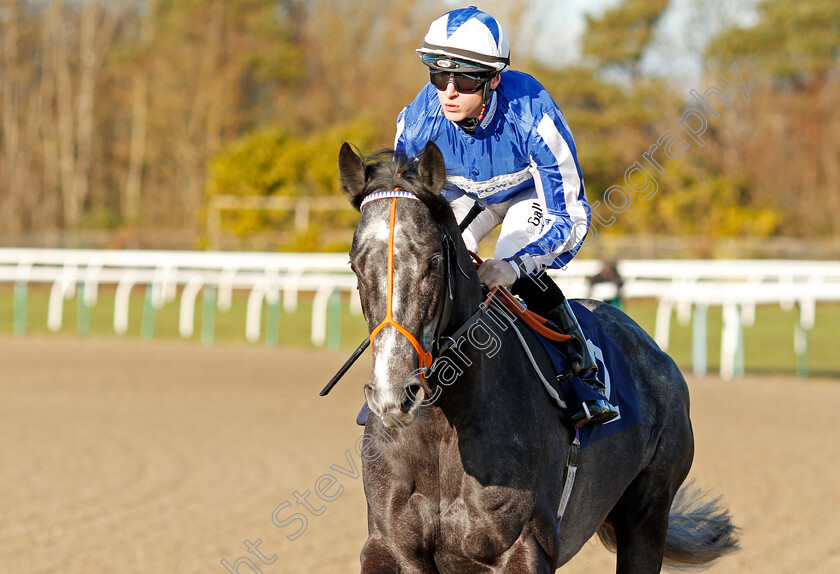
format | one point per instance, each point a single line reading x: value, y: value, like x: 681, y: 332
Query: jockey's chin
x: 457, y: 106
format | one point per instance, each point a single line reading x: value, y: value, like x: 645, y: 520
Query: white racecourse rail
x: 690, y: 286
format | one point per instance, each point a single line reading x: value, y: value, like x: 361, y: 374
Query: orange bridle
x: 425, y: 358
x: 442, y: 342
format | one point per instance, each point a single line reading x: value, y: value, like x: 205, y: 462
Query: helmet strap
x: 470, y: 124
x: 487, y: 91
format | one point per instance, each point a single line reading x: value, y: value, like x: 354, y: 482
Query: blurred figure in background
x: 606, y: 284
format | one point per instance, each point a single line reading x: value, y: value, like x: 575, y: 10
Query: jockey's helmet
x: 466, y: 41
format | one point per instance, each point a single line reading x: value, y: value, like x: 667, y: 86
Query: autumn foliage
x: 128, y: 117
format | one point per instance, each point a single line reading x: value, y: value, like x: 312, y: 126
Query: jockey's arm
x: 559, y: 184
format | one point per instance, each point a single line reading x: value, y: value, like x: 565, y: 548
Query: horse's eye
x: 435, y: 262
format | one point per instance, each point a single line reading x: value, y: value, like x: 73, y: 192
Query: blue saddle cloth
x: 612, y: 371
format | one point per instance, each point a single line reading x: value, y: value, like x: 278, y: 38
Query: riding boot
x: 582, y: 364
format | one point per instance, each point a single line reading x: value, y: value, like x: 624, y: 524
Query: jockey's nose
x: 450, y: 90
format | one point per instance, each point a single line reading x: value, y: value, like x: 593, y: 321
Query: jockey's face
x: 458, y: 106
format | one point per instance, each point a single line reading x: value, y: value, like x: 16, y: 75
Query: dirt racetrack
x: 118, y: 456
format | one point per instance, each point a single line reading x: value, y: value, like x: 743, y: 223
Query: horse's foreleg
x: 377, y: 558
x: 525, y: 557
x: 380, y: 558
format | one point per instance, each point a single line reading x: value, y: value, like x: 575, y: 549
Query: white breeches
x: 520, y: 217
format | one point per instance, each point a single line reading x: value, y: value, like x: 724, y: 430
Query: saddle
x: 547, y: 360
x: 613, y: 371
x: 551, y: 365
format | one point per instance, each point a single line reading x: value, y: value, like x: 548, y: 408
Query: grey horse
x: 466, y: 476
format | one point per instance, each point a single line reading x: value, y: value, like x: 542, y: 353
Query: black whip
x: 477, y: 208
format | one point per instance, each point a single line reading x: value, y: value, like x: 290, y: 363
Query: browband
x: 395, y: 193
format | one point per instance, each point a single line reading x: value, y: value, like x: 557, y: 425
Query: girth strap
x: 569, y: 481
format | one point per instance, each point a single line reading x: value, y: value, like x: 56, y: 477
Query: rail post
x: 208, y: 315
x: 699, y: 358
x: 334, y: 321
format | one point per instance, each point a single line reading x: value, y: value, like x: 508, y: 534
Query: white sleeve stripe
x: 571, y: 181
x: 400, y: 128
x: 567, y: 245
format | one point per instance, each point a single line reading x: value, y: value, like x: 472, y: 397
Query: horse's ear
x: 431, y: 169
x: 351, y: 172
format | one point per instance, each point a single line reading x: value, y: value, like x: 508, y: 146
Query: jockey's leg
x: 544, y: 297
x: 521, y: 226
x: 584, y: 366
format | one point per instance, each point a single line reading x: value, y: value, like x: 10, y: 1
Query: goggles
x: 464, y: 83
x: 446, y: 63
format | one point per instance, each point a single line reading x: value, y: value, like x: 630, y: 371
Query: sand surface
x: 119, y: 456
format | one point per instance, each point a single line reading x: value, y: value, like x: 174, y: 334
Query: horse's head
x: 403, y: 254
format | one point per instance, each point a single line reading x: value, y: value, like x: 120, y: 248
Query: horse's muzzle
x: 397, y: 406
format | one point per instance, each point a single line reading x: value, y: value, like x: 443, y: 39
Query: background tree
x: 21, y: 115
x: 618, y: 38
x: 118, y: 120
x: 792, y: 149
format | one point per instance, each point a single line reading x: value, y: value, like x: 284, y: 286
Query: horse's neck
x: 492, y: 415
x: 478, y: 367
x: 476, y: 352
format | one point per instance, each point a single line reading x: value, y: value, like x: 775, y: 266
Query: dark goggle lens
x: 464, y: 83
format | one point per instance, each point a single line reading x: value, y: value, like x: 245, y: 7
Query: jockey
x: 507, y: 145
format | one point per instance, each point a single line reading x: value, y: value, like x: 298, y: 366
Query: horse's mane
x: 388, y: 169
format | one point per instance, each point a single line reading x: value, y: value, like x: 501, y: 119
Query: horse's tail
x: 699, y: 531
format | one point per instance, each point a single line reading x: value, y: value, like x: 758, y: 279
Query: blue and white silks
x: 522, y: 143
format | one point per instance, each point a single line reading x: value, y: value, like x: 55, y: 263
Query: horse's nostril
x: 411, y: 392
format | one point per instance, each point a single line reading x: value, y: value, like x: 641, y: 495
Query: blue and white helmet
x: 466, y: 40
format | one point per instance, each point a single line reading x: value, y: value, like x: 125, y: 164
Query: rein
x: 535, y: 321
